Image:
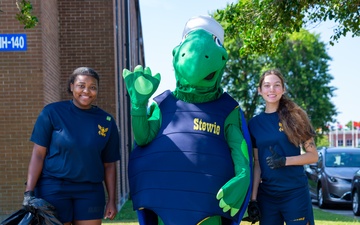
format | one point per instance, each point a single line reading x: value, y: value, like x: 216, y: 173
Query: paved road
x: 346, y: 211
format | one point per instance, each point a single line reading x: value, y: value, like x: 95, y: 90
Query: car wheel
x: 356, y: 202
x: 320, y: 198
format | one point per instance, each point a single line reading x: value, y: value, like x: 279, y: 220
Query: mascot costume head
x: 192, y: 156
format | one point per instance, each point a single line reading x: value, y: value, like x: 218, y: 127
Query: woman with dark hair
x: 76, y: 146
x: 280, y: 187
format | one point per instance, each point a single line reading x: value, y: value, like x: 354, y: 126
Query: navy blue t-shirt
x: 266, y: 130
x: 78, y: 141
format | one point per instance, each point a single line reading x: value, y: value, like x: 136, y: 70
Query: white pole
x: 356, y: 138
x: 352, y: 135
x: 336, y: 137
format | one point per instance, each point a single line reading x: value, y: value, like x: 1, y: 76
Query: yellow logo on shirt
x: 281, y: 129
x: 299, y: 219
x: 102, y: 130
x: 199, y: 124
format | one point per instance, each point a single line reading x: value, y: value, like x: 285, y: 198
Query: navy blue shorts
x: 73, y: 201
x: 293, y: 207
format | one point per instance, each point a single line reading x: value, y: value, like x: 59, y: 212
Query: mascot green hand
x: 230, y: 197
x: 141, y: 85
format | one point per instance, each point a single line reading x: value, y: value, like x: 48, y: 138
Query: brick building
x: 344, y: 138
x: 102, y: 34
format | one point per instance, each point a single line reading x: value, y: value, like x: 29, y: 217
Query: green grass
x: 325, y: 218
x: 127, y: 216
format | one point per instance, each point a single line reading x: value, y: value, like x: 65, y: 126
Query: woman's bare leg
x: 87, y: 222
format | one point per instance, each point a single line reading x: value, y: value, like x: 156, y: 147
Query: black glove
x: 275, y: 160
x: 253, y: 211
x: 28, y: 196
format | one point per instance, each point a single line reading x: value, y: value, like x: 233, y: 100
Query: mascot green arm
x: 233, y: 193
x: 141, y: 85
x: 145, y: 128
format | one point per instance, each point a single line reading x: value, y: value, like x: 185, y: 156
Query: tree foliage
x: 303, y: 61
x: 263, y: 25
x: 322, y: 141
x: 25, y: 15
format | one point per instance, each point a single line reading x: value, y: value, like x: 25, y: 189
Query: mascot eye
x: 217, y: 41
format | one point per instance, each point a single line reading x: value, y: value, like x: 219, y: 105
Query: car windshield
x: 342, y: 159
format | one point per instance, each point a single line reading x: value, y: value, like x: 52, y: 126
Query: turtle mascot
x: 191, y: 158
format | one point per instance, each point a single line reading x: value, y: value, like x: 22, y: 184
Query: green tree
x: 25, y: 15
x: 322, y: 141
x: 241, y: 77
x: 263, y: 25
x: 302, y: 59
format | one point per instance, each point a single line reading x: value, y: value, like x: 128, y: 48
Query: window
x: 342, y: 159
x: 349, y: 142
x: 340, y: 143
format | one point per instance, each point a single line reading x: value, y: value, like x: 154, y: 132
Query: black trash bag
x: 22, y: 216
x: 29, y: 218
x: 38, y: 212
x: 15, y: 218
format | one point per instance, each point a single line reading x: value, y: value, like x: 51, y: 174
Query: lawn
x: 128, y: 217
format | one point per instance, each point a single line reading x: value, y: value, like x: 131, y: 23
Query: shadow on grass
x: 128, y: 216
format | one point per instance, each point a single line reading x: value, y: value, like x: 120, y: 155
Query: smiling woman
x: 280, y: 191
x: 83, y: 85
x: 76, y: 146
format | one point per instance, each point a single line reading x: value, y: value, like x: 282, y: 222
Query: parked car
x: 330, y: 178
x: 355, y: 193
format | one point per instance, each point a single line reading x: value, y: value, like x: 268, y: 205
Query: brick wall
x: 21, y: 99
x: 51, y: 52
x: 87, y: 39
x: 70, y: 33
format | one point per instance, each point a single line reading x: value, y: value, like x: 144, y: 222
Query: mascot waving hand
x: 191, y: 159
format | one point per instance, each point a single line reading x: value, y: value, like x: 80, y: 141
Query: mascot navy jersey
x: 78, y: 141
x: 266, y: 131
x: 185, y: 152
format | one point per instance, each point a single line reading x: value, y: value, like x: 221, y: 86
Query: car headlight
x: 338, y: 180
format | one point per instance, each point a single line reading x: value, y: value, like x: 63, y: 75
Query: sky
x: 162, y: 26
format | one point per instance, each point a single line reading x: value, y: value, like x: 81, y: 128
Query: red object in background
x: 339, y: 126
x: 356, y: 124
